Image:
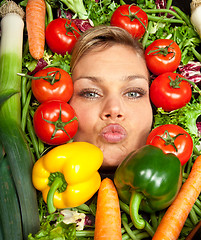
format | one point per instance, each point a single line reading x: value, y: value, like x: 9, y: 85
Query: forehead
x: 112, y: 54
x: 109, y: 46
x: 113, y: 60
x: 117, y: 50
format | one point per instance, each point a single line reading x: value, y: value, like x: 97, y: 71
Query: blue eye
x: 135, y: 93
x: 89, y: 93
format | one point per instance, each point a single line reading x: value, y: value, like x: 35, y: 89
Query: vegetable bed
x: 32, y: 63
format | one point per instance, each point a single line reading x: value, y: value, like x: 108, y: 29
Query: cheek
x: 141, y: 119
x: 87, y: 116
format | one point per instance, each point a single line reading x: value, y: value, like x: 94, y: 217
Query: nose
x: 112, y: 109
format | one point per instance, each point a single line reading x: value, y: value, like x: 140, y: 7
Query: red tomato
x: 55, y: 122
x: 61, y: 35
x: 164, y: 94
x: 163, y: 55
x: 131, y: 18
x: 58, y: 87
x: 172, y: 139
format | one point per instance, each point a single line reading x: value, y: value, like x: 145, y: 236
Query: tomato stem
x: 170, y: 140
x: 175, y: 83
x: 195, y: 87
x: 59, y: 124
x: 162, y: 51
x: 134, y: 16
x: 70, y: 28
x: 50, y: 77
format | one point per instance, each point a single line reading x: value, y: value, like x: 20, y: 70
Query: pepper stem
x: 58, y: 183
x: 135, y: 201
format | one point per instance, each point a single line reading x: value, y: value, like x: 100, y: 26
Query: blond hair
x: 103, y: 37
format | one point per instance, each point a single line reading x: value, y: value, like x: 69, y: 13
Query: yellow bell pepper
x: 68, y: 174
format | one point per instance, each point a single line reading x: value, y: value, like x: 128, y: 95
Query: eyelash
x: 86, y: 93
x: 141, y: 92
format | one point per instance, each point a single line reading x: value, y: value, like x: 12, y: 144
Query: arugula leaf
x: 57, y: 60
x: 185, y: 117
x: 100, y: 12
x: 61, y: 231
x: 146, y: 4
x: 186, y: 38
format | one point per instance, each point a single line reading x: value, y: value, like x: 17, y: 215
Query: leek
x: 12, y: 138
x: 12, y: 26
x: 195, y: 15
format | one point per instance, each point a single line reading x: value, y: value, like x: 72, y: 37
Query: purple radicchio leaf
x: 64, y: 14
x: 198, y: 124
x: 82, y: 25
x: 161, y: 4
x: 88, y: 221
x: 191, y: 71
x: 40, y: 65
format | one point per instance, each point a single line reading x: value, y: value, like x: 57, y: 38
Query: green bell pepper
x: 148, y: 180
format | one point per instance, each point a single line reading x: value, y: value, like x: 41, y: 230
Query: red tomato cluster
x: 54, y: 121
x: 169, y: 90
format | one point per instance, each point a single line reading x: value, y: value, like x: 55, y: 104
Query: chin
x: 111, y: 164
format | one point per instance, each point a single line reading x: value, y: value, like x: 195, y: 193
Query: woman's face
x: 111, y: 99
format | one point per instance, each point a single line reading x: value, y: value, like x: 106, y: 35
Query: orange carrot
x: 108, y: 216
x: 174, y: 219
x: 35, y: 22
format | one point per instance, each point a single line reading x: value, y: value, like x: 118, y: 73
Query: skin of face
x: 111, y: 100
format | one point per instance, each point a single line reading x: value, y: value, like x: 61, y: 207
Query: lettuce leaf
x: 61, y: 231
x: 186, y: 117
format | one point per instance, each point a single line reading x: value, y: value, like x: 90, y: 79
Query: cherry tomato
x: 54, y: 84
x: 55, y: 122
x: 61, y: 35
x: 131, y: 18
x: 163, y: 55
x: 172, y: 139
x: 170, y: 92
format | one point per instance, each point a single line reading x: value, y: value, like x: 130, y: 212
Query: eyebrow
x: 97, y: 79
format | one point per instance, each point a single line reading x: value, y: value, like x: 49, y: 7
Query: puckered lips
x: 113, y: 133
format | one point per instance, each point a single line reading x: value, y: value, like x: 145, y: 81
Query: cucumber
x: 1, y: 231
x: 21, y: 162
x: 10, y: 215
